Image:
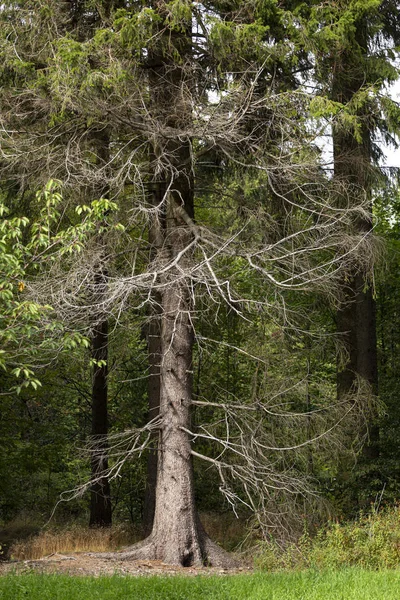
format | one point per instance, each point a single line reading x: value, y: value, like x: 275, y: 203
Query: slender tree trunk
x: 356, y: 321
x: 356, y: 325
x: 156, y: 241
x: 367, y: 361
x: 177, y: 536
x: 153, y: 390
x: 346, y: 320
x: 367, y: 357
x: 162, y: 92
x: 100, y: 495
x: 100, y: 499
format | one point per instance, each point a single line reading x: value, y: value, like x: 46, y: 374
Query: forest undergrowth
x: 372, y: 542
x: 25, y: 541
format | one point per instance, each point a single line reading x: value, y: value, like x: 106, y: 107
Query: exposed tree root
x: 217, y: 556
x: 209, y: 554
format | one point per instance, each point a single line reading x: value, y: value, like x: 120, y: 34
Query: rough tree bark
x: 154, y: 357
x: 153, y: 390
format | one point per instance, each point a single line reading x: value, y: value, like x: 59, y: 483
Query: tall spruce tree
x: 174, y: 84
x: 355, y: 59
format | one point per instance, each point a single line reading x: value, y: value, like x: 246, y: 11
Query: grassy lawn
x: 352, y: 584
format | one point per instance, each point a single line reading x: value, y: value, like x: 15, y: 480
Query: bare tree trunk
x: 156, y: 241
x: 178, y: 536
x: 175, y: 520
x: 346, y: 320
x: 100, y: 499
x: 367, y: 361
x: 153, y: 390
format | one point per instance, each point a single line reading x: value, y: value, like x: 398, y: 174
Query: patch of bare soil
x: 90, y: 565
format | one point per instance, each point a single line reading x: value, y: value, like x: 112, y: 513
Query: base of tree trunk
x: 208, y: 554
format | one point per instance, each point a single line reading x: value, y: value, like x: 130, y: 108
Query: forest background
x: 171, y: 152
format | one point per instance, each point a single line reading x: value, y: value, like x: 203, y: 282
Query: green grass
x: 350, y: 584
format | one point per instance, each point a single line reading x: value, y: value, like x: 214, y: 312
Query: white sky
x: 392, y: 155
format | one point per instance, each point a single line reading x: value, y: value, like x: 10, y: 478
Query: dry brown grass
x: 224, y: 529
x: 73, y: 539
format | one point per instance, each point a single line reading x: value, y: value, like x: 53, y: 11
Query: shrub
x: 370, y: 542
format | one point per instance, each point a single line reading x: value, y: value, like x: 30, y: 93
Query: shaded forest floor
x: 82, y: 564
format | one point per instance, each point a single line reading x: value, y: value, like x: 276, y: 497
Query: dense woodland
x: 199, y: 268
